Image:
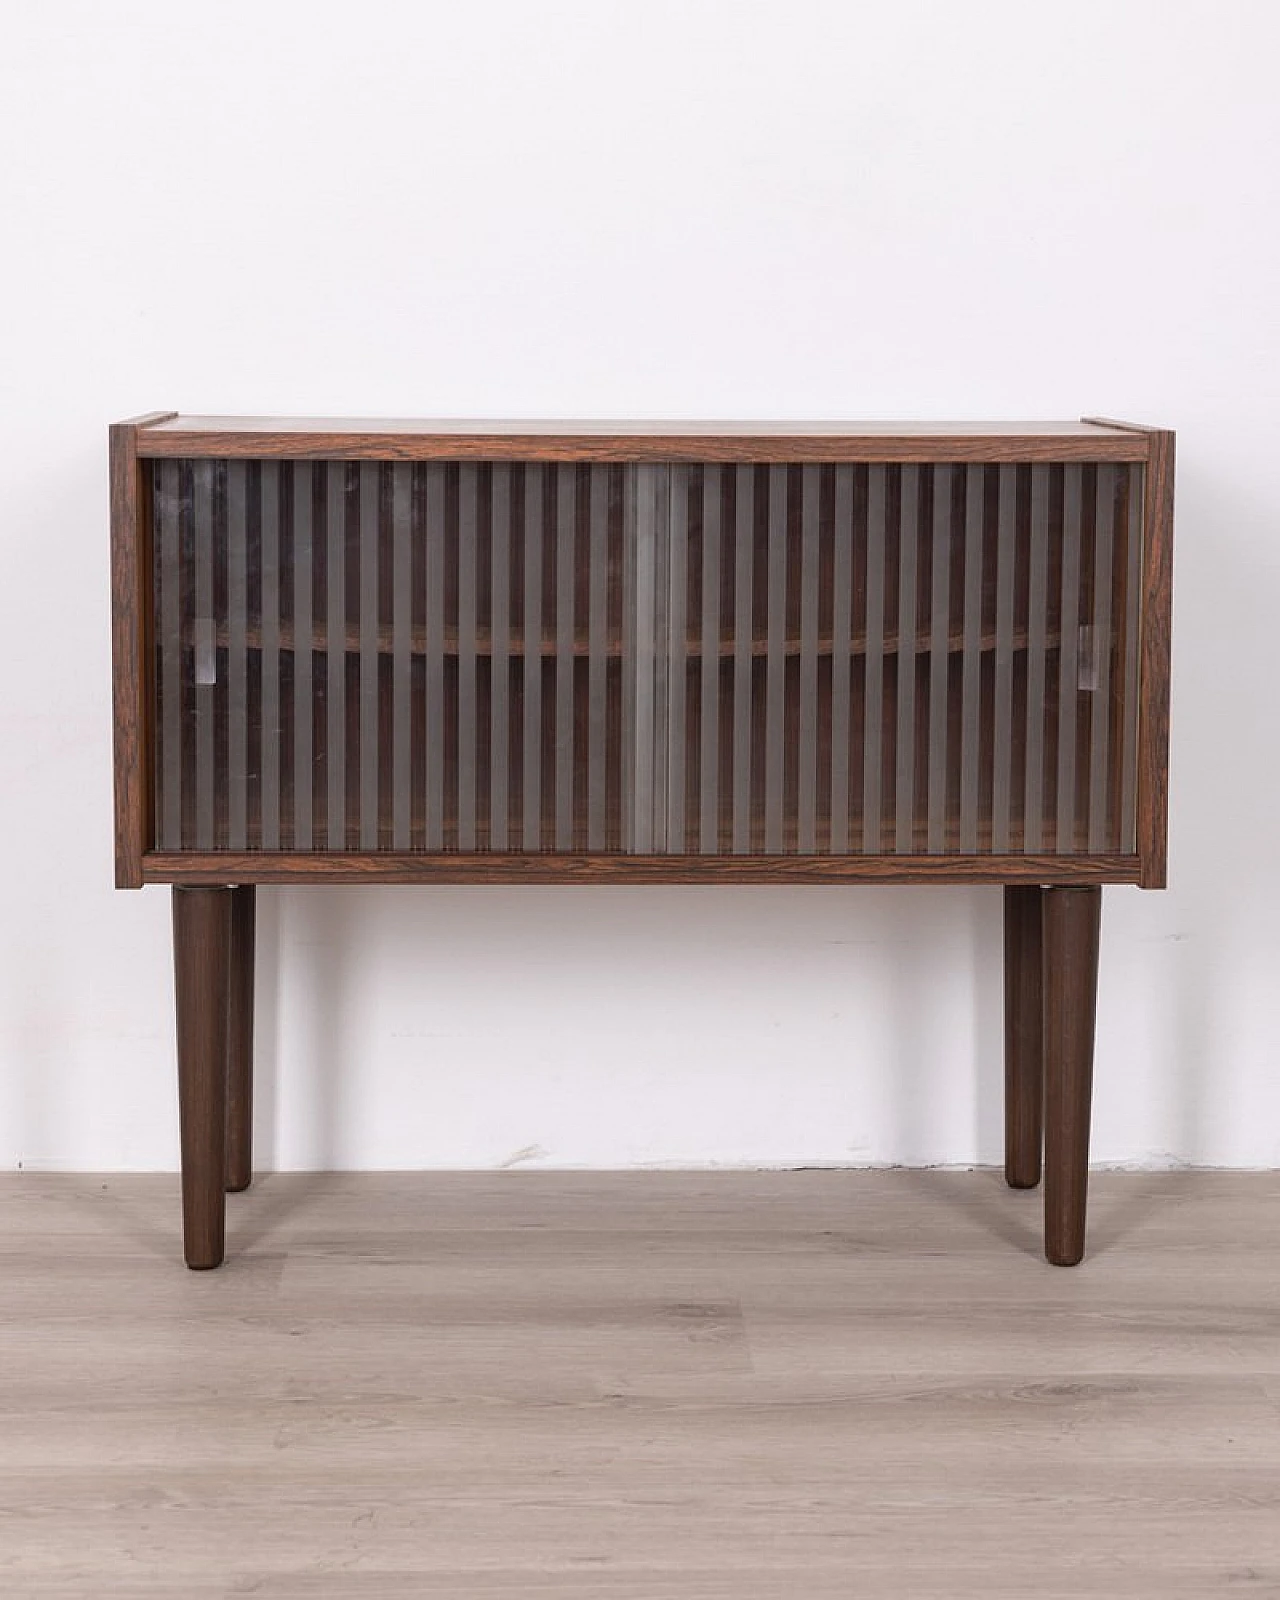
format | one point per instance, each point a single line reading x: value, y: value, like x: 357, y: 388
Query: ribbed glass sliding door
x: 389, y: 656
x: 902, y: 660
x: 612, y: 658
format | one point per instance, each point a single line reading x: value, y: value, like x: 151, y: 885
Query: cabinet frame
x: 161, y: 435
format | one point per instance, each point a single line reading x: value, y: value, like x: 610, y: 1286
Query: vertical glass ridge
x: 467, y: 536
x: 368, y: 510
x: 807, y: 778
x: 676, y: 655
x: 270, y: 804
x: 744, y: 568
x: 1002, y: 733
x: 304, y: 656
x: 874, y: 719
x: 775, y: 659
x: 500, y: 664
x: 401, y: 654
x: 1100, y: 701
x: 237, y: 657
x: 531, y: 809
x: 841, y: 641
x: 335, y: 654
x: 1037, y: 643
x: 434, y: 645
x: 711, y: 675
x: 209, y: 513
x: 971, y: 660
x: 905, y: 666
x: 939, y: 658
x: 597, y: 657
x: 1069, y: 663
x: 168, y: 519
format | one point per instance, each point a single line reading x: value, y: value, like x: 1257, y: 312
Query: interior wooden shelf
x: 891, y: 644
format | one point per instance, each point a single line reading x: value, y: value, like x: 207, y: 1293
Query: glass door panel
x: 388, y: 656
x: 716, y: 659
x: 913, y: 660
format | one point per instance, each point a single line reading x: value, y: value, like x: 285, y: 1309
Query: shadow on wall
x: 1211, y: 976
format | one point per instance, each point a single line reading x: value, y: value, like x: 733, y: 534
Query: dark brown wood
x: 587, y: 428
x: 347, y: 439
x: 1071, y: 928
x: 1023, y: 1034
x: 189, y: 866
x: 1155, y: 647
x: 202, y: 967
x: 1154, y: 665
x: 240, y: 1040
x: 130, y: 614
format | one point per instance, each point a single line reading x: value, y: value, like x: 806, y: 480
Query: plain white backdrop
x: 694, y: 209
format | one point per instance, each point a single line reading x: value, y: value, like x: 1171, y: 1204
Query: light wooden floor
x: 646, y: 1386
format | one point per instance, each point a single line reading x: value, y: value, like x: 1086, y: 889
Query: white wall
x: 797, y: 209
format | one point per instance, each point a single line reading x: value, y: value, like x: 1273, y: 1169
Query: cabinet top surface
x: 541, y: 428
x: 652, y: 440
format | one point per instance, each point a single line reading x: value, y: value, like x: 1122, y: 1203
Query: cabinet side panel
x: 1157, y: 613
x: 128, y: 591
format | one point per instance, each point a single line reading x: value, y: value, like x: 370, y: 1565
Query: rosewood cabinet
x: 592, y: 653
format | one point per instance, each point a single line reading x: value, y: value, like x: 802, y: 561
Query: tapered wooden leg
x: 240, y: 1041
x: 1071, y: 926
x: 1023, y: 1035
x: 202, y: 967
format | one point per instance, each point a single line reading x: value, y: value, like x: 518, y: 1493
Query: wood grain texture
x: 202, y: 969
x: 1154, y: 665
x: 534, y: 428
x: 647, y: 1386
x: 1071, y: 918
x: 130, y: 679
x: 349, y: 866
x: 349, y: 439
x: 240, y: 1039
x: 1156, y: 646
x: 1023, y: 1034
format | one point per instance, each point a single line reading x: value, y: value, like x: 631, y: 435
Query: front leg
x: 202, y: 969
x: 1071, y: 927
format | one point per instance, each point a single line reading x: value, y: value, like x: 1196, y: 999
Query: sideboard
x: 448, y: 652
